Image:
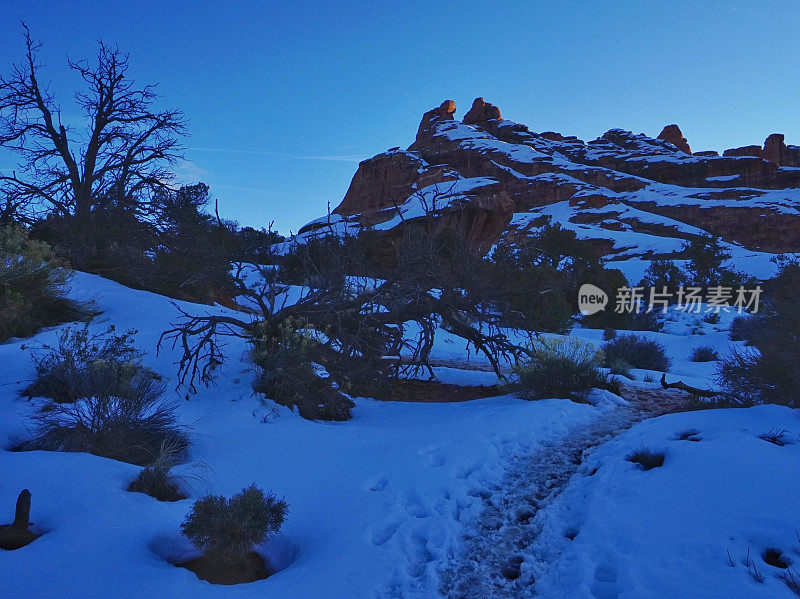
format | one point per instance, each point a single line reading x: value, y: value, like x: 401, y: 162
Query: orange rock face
x: 673, y: 134
x: 481, y: 111
x: 516, y: 171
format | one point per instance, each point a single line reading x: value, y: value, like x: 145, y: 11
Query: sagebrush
x: 33, y: 285
x: 565, y: 368
x: 83, y: 364
x: 226, y: 530
x: 638, y: 351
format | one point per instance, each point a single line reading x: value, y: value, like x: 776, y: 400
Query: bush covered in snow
x: 566, y: 368
x: 32, y: 286
x: 647, y: 459
x: 638, y: 351
x: 226, y: 530
x: 84, y: 364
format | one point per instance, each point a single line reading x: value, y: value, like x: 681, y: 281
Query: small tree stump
x: 16, y: 535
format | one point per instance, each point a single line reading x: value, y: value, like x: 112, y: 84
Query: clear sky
x: 284, y: 98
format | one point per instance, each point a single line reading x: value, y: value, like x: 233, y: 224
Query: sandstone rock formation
x: 503, y: 180
x: 481, y: 112
x: 774, y: 149
x: 673, y: 134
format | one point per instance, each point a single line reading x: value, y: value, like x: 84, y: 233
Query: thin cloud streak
x: 279, y: 156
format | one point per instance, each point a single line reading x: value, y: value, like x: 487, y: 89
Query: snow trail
x: 491, y: 559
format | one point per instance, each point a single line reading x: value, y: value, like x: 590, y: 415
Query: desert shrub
x: 156, y: 481
x: 566, y: 368
x: 32, y: 286
x: 127, y: 429
x: 85, y: 364
x: 286, y: 372
x: 740, y: 373
x: 744, y: 328
x: 637, y: 351
x: 704, y: 353
x: 193, y: 253
x: 647, y: 459
x: 706, y: 255
x: 178, y: 250
x: 646, y: 321
x: 609, y: 334
x: 226, y: 530
x: 540, y: 280
x: 767, y: 371
x: 663, y: 274
x: 620, y: 367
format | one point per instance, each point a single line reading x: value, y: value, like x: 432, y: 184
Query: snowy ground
x: 380, y: 504
x: 376, y: 503
x: 685, y: 529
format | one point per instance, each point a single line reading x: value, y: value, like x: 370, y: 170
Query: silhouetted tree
x: 110, y: 168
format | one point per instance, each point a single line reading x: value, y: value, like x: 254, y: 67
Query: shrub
x: 129, y: 429
x: 621, y: 367
x: 637, y: 351
x: 227, y: 529
x: 704, y: 353
x: 744, y: 328
x: 32, y: 286
x: 767, y: 371
x: 286, y: 373
x: 565, y: 368
x: 647, y: 459
x: 155, y: 480
x: 609, y: 334
x: 741, y: 375
x: 663, y: 274
x: 792, y: 580
x: 775, y: 436
x: 82, y: 364
x: 706, y: 255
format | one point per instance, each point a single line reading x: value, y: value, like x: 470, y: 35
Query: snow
x: 380, y: 505
x: 673, y: 531
x: 376, y: 503
x: 723, y: 178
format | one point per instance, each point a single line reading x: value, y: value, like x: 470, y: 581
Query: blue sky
x: 285, y: 98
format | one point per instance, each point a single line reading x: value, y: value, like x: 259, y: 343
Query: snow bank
x: 681, y: 530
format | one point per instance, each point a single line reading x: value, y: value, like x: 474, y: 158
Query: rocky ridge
x: 635, y: 195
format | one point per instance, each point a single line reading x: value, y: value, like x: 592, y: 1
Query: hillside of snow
x: 380, y: 505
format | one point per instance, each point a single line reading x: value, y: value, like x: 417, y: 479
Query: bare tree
x: 371, y: 323
x: 124, y: 152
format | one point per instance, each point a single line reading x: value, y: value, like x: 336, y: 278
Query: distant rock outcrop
x: 673, y: 134
x: 634, y: 194
x: 481, y: 112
